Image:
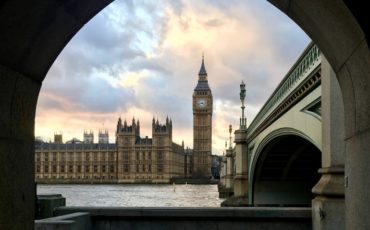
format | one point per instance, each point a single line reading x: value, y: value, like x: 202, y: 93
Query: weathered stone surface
x: 36, y: 32
x: 330, y: 184
x: 46, y: 203
x: 328, y: 213
x: 236, y: 201
x: 329, y: 26
x: 357, y: 176
x: 73, y: 221
x: 17, y: 188
x: 196, y: 218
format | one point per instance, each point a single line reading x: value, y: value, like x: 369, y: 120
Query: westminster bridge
x: 285, y: 138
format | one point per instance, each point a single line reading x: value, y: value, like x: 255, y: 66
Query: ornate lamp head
x: 242, y: 92
x: 243, y: 120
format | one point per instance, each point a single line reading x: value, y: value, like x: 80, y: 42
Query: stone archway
x: 33, y: 33
x: 337, y: 31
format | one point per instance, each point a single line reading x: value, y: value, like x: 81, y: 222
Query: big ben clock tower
x: 202, y: 126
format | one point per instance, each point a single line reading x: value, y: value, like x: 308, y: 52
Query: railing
x: 308, y: 61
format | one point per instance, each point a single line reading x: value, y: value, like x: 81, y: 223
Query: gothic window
x: 54, y: 157
x: 71, y: 168
x: 126, y: 168
x: 46, y: 169
x: 79, y: 168
x: 46, y: 157
x: 38, y: 168
x: 95, y: 168
x: 70, y: 156
x: 87, y: 168
x: 111, y: 168
x: 160, y: 156
x: 137, y: 168
x: 54, y: 168
x: 160, y: 168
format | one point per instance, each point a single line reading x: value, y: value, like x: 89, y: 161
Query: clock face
x: 201, y: 103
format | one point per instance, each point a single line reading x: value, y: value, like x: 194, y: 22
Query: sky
x: 140, y: 59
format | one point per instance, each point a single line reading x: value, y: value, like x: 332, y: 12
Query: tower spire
x: 202, y: 70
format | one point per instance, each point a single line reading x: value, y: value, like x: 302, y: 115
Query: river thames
x: 128, y: 195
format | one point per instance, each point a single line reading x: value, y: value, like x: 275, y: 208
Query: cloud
x: 141, y: 58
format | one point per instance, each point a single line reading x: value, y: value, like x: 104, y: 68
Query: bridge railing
x: 306, y: 63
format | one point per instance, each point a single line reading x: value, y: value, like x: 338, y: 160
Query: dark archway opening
x: 285, y: 172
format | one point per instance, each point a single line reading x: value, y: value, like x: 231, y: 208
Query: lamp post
x: 243, y: 120
x: 230, y: 130
x: 241, y: 156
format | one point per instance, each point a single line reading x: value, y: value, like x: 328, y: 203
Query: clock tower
x: 202, y: 126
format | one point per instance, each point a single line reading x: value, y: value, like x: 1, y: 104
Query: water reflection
x: 136, y: 195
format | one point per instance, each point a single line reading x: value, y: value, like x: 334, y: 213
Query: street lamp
x: 230, y: 130
x: 243, y: 120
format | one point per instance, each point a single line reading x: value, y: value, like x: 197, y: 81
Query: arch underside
x: 285, y: 172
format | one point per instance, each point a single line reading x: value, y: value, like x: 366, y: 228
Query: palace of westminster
x: 132, y: 159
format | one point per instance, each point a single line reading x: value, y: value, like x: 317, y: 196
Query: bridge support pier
x: 240, y: 185
x: 222, y: 191
x: 229, y: 172
x: 328, y: 206
x: 241, y: 161
x: 229, y: 177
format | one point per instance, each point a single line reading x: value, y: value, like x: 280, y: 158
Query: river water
x: 136, y: 195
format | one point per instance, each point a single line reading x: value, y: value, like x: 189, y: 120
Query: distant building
x: 132, y: 159
x: 155, y: 159
x: 75, y: 162
x: 188, y: 162
x: 58, y: 138
x: 103, y: 137
x: 88, y: 137
x: 202, y: 126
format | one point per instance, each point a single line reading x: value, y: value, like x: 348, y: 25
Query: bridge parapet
x: 300, y: 71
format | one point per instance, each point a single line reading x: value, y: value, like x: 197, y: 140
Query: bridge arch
x: 284, y: 169
x: 35, y: 32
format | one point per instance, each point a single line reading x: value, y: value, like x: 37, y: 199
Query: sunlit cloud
x: 141, y: 59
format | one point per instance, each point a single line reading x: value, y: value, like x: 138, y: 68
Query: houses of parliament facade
x: 132, y: 159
